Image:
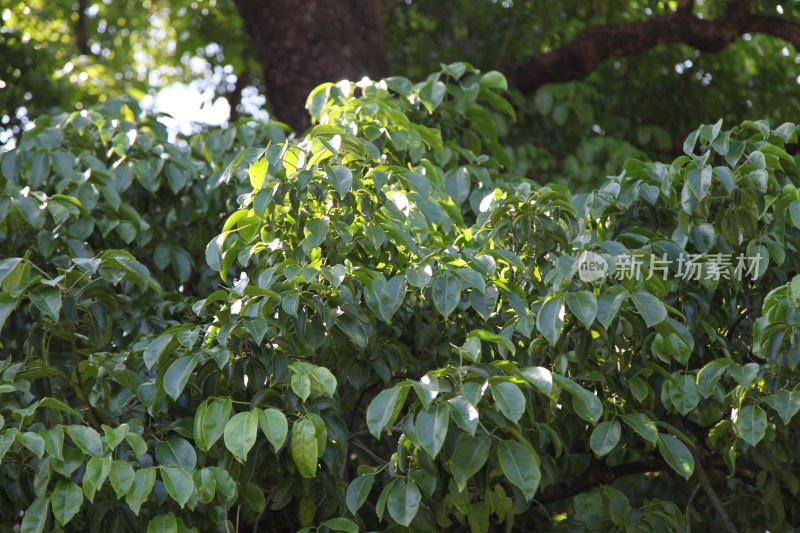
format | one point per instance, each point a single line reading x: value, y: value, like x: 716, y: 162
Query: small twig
x: 369, y: 452
x: 689, y: 503
x: 712, y: 495
x: 738, y: 322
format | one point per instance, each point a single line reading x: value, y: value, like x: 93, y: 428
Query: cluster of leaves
x: 402, y: 338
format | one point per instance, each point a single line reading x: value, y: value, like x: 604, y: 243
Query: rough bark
x: 594, y: 45
x: 302, y: 44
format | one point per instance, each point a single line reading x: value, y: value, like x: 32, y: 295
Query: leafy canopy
x: 399, y: 335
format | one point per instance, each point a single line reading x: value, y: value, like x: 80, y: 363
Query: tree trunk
x: 302, y: 44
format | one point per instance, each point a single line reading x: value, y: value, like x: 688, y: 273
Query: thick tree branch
x: 594, y: 45
x: 81, y: 35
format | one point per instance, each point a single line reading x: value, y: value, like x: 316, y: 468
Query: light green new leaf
x: 305, y: 447
x: 240, y: 434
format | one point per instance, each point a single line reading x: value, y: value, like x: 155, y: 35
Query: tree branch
x: 596, y: 44
x: 81, y: 35
x: 712, y: 495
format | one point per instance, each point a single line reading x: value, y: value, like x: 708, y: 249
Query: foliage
x: 401, y: 337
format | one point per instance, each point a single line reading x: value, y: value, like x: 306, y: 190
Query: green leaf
x: 494, y: 80
x: 53, y: 441
x: 305, y: 447
x: 156, y: 349
x: 650, y: 308
x: 121, y: 477
x: 464, y: 414
x: 136, y: 443
x: 683, y: 394
x: 178, y: 483
x: 468, y: 458
x: 142, y: 485
x: 165, y: 523
x: 178, y: 374
x: 510, y: 400
x: 446, y: 291
x: 540, y: 378
x: 274, y: 426
x: 209, y: 422
x: 586, y: 404
x: 709, y: 376
x: 340, y: 177
x: 97, y: 470
x: 549, y: 320
x: 403, y: 501
x: 520, y: 465
x: 341, y: 524
x: 114, y: 436
x: 176, y: 451
x: 35, y: 516
x: 609, y: 303
x: 391, y: 297
x: 786, y: 403
x: 66, y: 501
x: 583, y: 305
x: 32, y: 441
x: 427, y: 388
x: 751, y: 424
x: 676, y: 454
x: 240, y: 434
x: 87, y: 439
x: 642, y: 425
x: 357, y: 492
x: 315, y: 231
x: 384, y: 409
x: 431, y: 427
x: 605, y: 437
x: 47, y: 299
x: 257, y: 172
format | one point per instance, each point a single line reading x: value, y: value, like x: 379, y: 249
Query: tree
x: 592, y: 83
x: 403, y: 333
